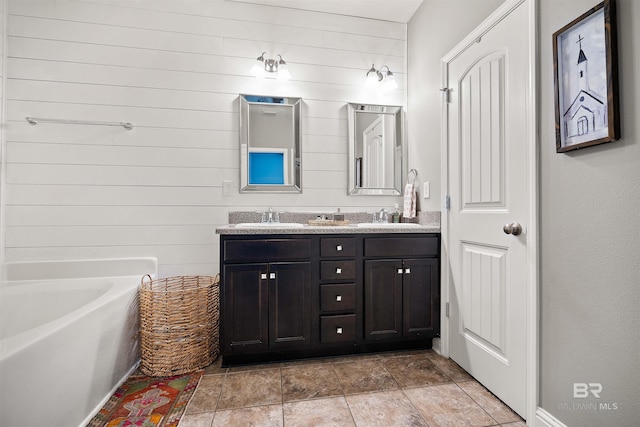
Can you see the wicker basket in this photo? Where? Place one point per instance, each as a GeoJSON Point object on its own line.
{"type": "Point", "coordinates": [179, 324]}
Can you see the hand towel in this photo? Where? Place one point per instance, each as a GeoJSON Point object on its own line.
{"type": "Point", "coordinates": [409, 201]}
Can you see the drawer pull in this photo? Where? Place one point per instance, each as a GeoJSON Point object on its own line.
{"type": "Point", "coordinates": [338, 270]}
{"type": "Point", "coordinates": [399, 271]}
{"type": "Point", "coordinates": [263, 276]}
{"type": "Point", "coordinates": [339, 248]}
{"type": "Point", "coordinates": [338, 297]}
{"type": "Point", "coordinates": [407, 271]}
{"type": "Point", "coordinates": [339, 331]}
{"type": "Point", "coordinates": [272, 275]}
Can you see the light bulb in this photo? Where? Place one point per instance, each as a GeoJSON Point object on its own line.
{"type": "Point", "coordinates": [283, 71]}
{"type": "Point", "coordinates": [389, 82]}
{"type": "Point", "coordinates": [258, 67]}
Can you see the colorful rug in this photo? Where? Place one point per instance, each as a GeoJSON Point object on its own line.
{"type": "Point", "coordinates": [148, 401]}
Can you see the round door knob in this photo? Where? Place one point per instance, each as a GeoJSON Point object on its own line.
{"type": "Point", "coordinates": [514, 228]}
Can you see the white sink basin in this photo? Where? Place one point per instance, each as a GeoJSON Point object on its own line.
{"type": "Point", "coordinates": [269, 225]}
{"type": "Point", "coordinates": [388, 225]}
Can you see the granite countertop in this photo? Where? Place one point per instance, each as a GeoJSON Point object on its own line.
{"type": "Point", "coordinates": [427, 222]}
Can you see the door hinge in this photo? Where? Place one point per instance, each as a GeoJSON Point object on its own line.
{"type": "Point", "coordinates": [446, 309]}
{"type": "Point", "coordinates": [445, 90]}
{"type": "Point", "coordinates": [447, 202]}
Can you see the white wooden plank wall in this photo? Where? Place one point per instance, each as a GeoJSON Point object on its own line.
{"type": "Point", "coordinates": [174, 69]}
{"type": "Point", "coordinates": [2, 132]}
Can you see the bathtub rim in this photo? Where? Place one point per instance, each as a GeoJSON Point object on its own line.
{"type": "Point", "coordinates": [131, 269]}
{"type": "Point", "coordinates": [33, 270]}
{"type": "Point", "coordinates": [120, 285]}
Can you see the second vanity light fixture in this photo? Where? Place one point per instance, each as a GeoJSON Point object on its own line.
{"type": "Point", "coordinates": [264, 66]}
{"type": "Point", "coordinates": [381, 78]}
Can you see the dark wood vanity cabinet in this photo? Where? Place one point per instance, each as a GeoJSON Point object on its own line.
{"type": "Point", "coordinates": [340, 289]}
{"type": "Point", "coordinates": [286, 296]}
{"type": "Point", "coordinates": [401, 298]}
{"type": "Point", "coordinates": [265, 305]}
{"type": "Point", "coordinates": [401, 287]}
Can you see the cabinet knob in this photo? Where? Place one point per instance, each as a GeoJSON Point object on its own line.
{"type": "Point", "coordinates": [272, 275]}
{"type": "Point", "coordinates": [339, 331]}
{"type": "Point", "coordinates": [338, 298]}
{"type": "Point", "coordinates": [338, 270]}
{"type": "Point", "coordinates": [407, 271]}
{"type": "Point", "coordinates": [339, 248]}
{"type": "Point", "coordinates": [263, 276]}
{"type": "Point", "coordinates": [399, 271]}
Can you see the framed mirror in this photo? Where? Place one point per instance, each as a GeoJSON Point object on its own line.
{"type": "Point", "coordinates": [377, 158]}
{"type": "Point", "coordinates": [270, 156]}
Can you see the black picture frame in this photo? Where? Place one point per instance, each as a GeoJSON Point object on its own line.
{"type": "Point", "coordinates": [585, 63]}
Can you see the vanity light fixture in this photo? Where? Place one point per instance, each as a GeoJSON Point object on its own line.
{"type": "Point", "coordinates": [275, 66]}
{"type": "Point", "coordinates": [381, 78]}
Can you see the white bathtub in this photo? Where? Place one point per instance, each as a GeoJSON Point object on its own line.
{"type": "Point", "coordinates": [68, 338]}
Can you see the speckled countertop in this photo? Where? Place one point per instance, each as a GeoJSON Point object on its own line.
{"type": "Point", "coordinates": [427, 222]}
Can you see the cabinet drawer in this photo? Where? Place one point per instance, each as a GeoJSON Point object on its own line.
{"type": "Point", "coordinates": [401, 246]}
{"type": "Point", "coordinates": [335, 270]}
{"type": "Point", "coordinates": [338, 247]}
{"type": "Point", "coordinates": [340, 297]}
{"type": "Point", "coordinates": [267, 250]}
{"type": "Point", "coordinates": [338, 328]}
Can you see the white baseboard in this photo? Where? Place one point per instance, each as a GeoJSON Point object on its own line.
{"type": "Point", "coordinates": [436, 345]}
{"type": "Point", "coordinates": [545, 419]}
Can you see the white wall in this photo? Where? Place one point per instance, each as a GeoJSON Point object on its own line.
{"type": "Point", "coordinates": [435, 29]}
{"type": "Point", "coordinates": [2, 132]}
{"type": "Point", "coordinates": [174, 69]}
{"type": "Point", "coordinates": [590, 243]}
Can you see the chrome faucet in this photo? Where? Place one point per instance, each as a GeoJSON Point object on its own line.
{"type": "Point", "coordinates": [270, 216]}
{"type": "Point", "coordinates": [383, 216]}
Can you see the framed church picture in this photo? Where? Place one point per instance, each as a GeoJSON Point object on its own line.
{"type": "Point", "coordinates": [586, 80]}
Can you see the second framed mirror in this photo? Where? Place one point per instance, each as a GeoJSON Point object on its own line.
{"type": "Point", "coordinates": [377, 158]}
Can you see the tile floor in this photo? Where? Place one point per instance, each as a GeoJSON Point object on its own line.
{"type": "Point", "coordinates": [413, 388]}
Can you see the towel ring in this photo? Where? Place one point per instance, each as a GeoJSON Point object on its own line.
{"type": "Point", "coordinates": [412, 176]}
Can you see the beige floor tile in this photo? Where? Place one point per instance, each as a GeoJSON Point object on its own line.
{"type": "Point", "coordinates": [413, 371]}
{"type": "Point", "coordinates": [447, 405]}
{"type": "Point", "coordinates": [516, 424]}
{"type": "Point", "coordinates": [309, 382]}
{"type": "Point", "coordinates": [197, 420]}
{"type": "Point", "coordinates": [252, 388]}
{"type": "Point", "coordinates": [256, 367]}
{"type": "Point", "coordinates": [364, 376]}
{"type": "Point", "coordinates": [401, 353]}
{"type": "Point", "coordinates": [206, 397]}
{"type": "Point", "coordinates": [450, 368]}
{"type": "Point", "coordinates": [353, 358]}
{"type": "Point", "coordinates": [263, 416]}
{"type": "Point", "coordinates": [330, 412]}
{"type": "Point", "coordinates": [384, 409]}
{"type": "Point", "coordinates": [490, 403]}
{"type": "Point", "coordinates": [215, 368]}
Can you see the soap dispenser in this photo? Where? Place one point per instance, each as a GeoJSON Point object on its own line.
{"type": "Point", "coordinates": [338, 216]}
{"type": "Point", "coordinates": [396, 214]}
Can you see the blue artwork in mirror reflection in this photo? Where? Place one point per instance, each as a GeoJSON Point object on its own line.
{"type": "Point", "coordinates": [266, 168]}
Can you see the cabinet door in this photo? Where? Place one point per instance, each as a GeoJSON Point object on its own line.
{"type": "Point", "coordinates": [245, 307]}
{"type": "Point", "coordinates": [289, 304]}
{"type": "Point", "coordinates": [383, 299]}
{"type": "Point", "coordinates": [419, 295]}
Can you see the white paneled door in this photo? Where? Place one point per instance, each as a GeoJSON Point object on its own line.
{"type": "Point", "coordinates": [488, 166]}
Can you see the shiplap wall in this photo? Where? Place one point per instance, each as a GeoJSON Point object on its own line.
{"type": "Point", "coordinates": [174, 68]}
{"type": "Point", "coordinates": [2, 132]}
